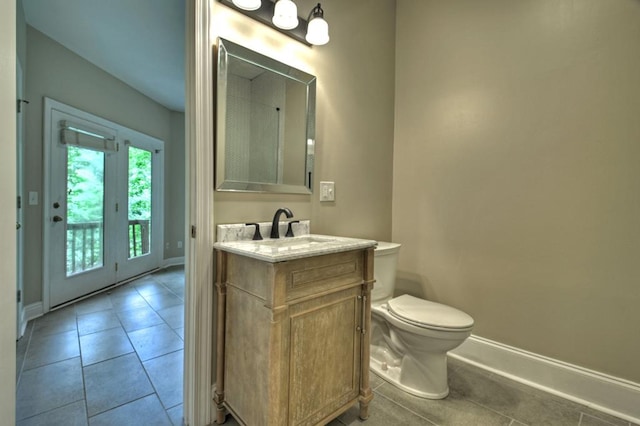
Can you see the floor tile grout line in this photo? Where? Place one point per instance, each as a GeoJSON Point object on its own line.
{"type": "Point", "coordinates": [84, 382]}
{"type": "Point", "coordinates": [407, 409]}
{"type": "Point", "coordinates": [24, 358]}
{"type": "Point", "coordinates": [120, 405]}
{"type": "Point", "coordinates": [160, 356]}
{"type": "Point", "coordinates": [513, 419]}
{"type": "Point", "coordinates": [50, 410]}
{"type": "Point", "coordinates": [583, 414]}
{"type": "Point", "coordinates": [52, 363]}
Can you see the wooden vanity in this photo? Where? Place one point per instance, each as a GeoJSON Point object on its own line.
{"type": "Point", "coordinates": [293, 337]}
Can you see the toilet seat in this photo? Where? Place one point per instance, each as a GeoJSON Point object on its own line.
{"type": "Point", "coordinates": [425, 314]}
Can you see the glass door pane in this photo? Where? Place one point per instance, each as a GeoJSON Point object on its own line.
{"type": "Point", "coordinates": [85, 210]}
{"type": "Point", "coordinates": [139, 202]}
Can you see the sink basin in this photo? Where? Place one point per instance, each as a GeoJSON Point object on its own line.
{"type": "Point", "coordinates": [295, 241]}
{"type": "Point", "coordinates": [282, 249]}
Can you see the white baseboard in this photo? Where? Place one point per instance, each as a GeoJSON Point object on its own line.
{"type": "Point", "coordinates": [22, 322]}
{"type": "Point", "coordinates": [172, 261]}
{"type": "Point", "coordinates": [599, 391]}
{"type": "Point", "coordinates": [33, 311]}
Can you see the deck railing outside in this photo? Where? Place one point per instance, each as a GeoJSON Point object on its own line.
{"type": "Point", "coordinates": [85, 244]}
{"type": "Point", "coordinates": [138, 237]}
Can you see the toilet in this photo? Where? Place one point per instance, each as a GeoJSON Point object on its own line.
{"type": "Point", "coordinates": [410, 337]}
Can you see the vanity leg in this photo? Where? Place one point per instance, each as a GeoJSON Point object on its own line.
{"type": "Point", "coordinates": [365, 387]}
{"type": "Point", "coordinates": [221, 416]}
{"type": "Point", "coordinates": [221, 412]}
{"type": "Point", "coordinates": [221, 280]}
{"type": "Point", "coordinates": [364, 405]}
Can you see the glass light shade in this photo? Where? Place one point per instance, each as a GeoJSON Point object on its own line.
{"type": "Point", "coordinates": [317, 31]}
{"type": "Point", "coordinates": [285, 15]}
{"type": "Point", "coordinates": [248, 4]}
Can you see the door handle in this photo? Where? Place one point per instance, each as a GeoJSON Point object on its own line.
{"type": "Point", "coordinates": [57, 218]}
{"type": "Point", "coordinates": [18, 225]}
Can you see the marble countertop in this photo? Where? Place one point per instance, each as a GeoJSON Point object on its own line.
{"type": "Point", "coordinates": [283, 249]}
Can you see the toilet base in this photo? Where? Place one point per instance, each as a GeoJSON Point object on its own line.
{"type": "Point", "coordinates": [391, 374]}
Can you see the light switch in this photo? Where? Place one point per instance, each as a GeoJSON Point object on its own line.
{"type": "Point", "coordinates": [33, 198]}
{"type": "Point", "coordinates": [327, 191]}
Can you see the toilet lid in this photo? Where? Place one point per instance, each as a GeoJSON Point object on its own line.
{"type": "Point", "coordinates": [428, 314]}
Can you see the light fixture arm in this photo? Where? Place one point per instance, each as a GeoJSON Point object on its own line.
{"type": "Point", "coordinates": [316, 12]}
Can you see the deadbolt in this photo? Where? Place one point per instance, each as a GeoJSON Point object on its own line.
{"type": "Point", "coordinates": [56, 205]}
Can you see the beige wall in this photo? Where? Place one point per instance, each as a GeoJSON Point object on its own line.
{"type": "Point", "coordinates": [7, 215]}
{"type": "Point", "coordinates": [174, 193]}
{"type": "Point", "coordinates": [516, 171]}
{"type": "Point", "coordinates": [56, 72]}
{"type": "Point", "coordinates": [354, 133]}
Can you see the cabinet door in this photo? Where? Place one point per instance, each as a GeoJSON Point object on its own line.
{"type": "Point", "coordinates": [324, 356]}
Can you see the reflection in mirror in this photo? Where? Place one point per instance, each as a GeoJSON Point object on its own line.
{"type": "Point", "coordinates": [265, 123]}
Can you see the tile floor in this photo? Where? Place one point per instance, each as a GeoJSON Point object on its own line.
{"type": "Point", "coordinates": [476, 398]}
{"type": "Point", "coordinates": [113, 359]}
{"type": "Point", "coordinates": [116, 359]}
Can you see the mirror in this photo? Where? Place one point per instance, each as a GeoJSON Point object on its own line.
{"type": "Point", "coordinates": [265, 125]}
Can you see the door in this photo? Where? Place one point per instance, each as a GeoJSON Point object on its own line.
{"type": "Point", "coordinates": [140, 165]}
{"type": "Point", "coordinates": [103, 201]}
{"type": "Point", "coordinates": [322, 381]}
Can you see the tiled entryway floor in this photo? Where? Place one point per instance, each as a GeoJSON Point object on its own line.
{"type": "Point", "coordinates": [113, 359]}
{"type": "Point", "coordinates": [116, 359]}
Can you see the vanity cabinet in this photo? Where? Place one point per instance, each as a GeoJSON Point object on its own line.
{"type": "Point", "coordinates": [293, 337]}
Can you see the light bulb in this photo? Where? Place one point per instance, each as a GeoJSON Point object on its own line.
{"type": "Point", "coordinates": [285, 15]}
{"type": "Point", "coordinates": [318, 28]}
{"type": "Point", "coordinates": [248, 4]}
{"type": "Point", "coordinates": [318, 32]}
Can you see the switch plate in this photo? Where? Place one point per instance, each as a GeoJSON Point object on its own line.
{"type": "Point", "coordinates": [327, 191]}
{"type": "Point", "coordinates": [33, 198]}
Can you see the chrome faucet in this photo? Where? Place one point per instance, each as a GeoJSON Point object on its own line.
{"type": "Point", "coordinates": [275, 232]}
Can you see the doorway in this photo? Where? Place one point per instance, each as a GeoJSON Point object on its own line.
{"type": "Point", "coordinates": [198, 310]}
{"type": "Point", "coordinates": [103, 204]}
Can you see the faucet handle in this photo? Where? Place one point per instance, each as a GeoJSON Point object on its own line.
{"type": "Point", "coordinates": [256, 235]}
{"type": "Point", "coordinates": [290, 229]}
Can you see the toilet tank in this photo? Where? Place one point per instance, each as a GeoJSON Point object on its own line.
{"type": "Point", "coordinates": [384, 271]}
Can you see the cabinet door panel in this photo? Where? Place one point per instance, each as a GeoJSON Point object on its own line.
{"type": "Point", "coordinates": [324, 357]}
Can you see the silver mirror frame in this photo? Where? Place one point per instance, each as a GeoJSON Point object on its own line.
{"type": "Point", "coordinates": [227, 50]}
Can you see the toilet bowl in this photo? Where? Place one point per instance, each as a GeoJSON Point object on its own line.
{"type": "Point", "coordinates": [410, 337]}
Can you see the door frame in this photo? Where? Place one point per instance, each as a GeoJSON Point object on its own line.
{"type": "Point", "coordinates": [20, 314]}
{"type": "Point", "coordinates": [7, 216]}
{"type": "Point", "coordinates": [121, 131]}
{"type": "Point", "coordinates": [199, 357]}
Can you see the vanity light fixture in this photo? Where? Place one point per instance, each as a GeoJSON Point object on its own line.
{"type": "Point", "coordinates": [282, 15]}
{"type": "Point", "coordinates": [248, 4]}
{"type": "Point", "coordinates": [317, 28]}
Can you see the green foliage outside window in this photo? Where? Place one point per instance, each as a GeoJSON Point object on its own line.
{"type": "Point", "coordinates": [85, 206]}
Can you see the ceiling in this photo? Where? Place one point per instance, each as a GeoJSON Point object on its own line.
{"type": "Point", "coordinates": [140, 42]}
